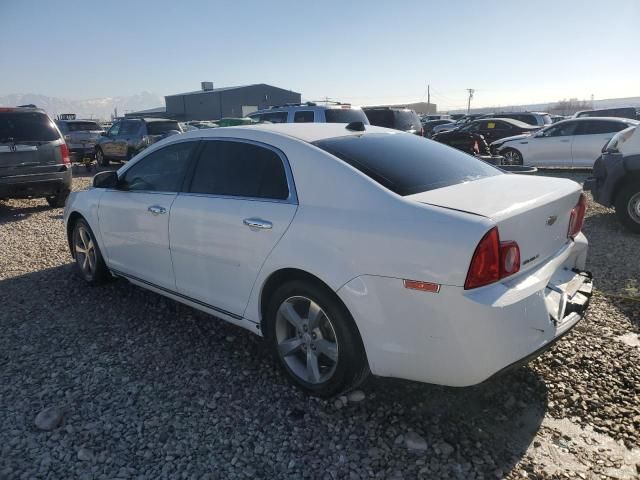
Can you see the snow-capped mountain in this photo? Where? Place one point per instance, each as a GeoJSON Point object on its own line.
{"type": "Point", "coordinates": [100, 108]}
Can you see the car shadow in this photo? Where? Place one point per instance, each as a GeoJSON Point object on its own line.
{"type": "Point", "coordinates": [120, 354]}
{"type": "Point", "coordinates": [9, 212]}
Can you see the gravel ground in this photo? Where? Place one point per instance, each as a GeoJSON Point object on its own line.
{"type": "Point", "coordinates": [132, 385]}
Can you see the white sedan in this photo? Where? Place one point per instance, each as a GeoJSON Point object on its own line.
{"type": "Point", "coordinates": [351, 248]}
{"type": "Point", "coordinates": [569, 143]}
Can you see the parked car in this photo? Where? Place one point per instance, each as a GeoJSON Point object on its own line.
{"type": "Point", "coordinates": [620, 112]}
{"type": "Point", "coordinates": [401, 119]}
{"type": "Point", "coordinates": [128, 137]}
{"type": "Point", "coordinates": [311, 112]}
{"type": "Point", "coordinates": [458, 123]}
{"type": "Point", "coordinates": [235, 121]}
{"type": "Point", "coordinates": [616, 177]}
{"type": "Point", "coordinates": [350, 249]}
{"type": "Point", "coordinates": [570, 143]}
{"type": "Point", "coordinates": [492, 129]}
{"type": "Point", "coordinates": [539, 119]}
{"type": "Point", "coordinates": [34, 158]}
{"type": "Point", "coordinates": [81, 136]}
{"type": "Point", "coordinates": [428, 126]}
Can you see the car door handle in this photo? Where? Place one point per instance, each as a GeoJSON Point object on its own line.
{"type": "Point", "coordinates": [257, 223]}
{"type": "Point", "coordinates": [157, 209]}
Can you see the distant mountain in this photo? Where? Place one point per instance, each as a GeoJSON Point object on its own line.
{"type": "Point", "coordinates": [100, 108]}
{"type": "Point", "coordinates": [541, 107]}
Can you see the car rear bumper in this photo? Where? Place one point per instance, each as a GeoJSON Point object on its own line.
{"type": "Point", "coordinates": [35, 185]}
{"type": "Point", "coordinates": [608, 171]}
{"type": "Point", "coordinates": [460, 337]}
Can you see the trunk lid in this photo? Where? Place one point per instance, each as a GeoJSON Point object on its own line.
{"type": "Point", "coordinates": [533, 211]}
{"type": "Point", "coordinates": [29, 157]}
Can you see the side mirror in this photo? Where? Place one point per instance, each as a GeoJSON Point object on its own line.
{"type": "Point", "coordinates": [106, 180]}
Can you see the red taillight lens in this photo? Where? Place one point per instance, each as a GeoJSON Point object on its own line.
{"type": "Point", "coordinates": [64, 152]}
{"type": "Point", "coordinates": [576, 220]}
{"type": "Point", "coordinates": [492, 260]}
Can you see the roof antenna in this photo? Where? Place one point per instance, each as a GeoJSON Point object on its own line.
{"type": "Point", "coordinates": [355, 126]}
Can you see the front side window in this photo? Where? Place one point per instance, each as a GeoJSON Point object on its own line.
{"type": "Point", "coordinates": [304, 117]}
{"type": "Point", "coordinates": [160, 171]}
{"type": "Point", "coordinates": [561, 130]}
{"type": "Point", "coordinates": [114, 130]}
{"type": "Point", "coordinates": [239, 169]}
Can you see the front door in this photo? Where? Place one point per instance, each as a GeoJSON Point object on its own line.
{"type": "Point", "coordinates": [134, 219]}
{"type": "Point", "coordinates": [238, 205]}
{"type": "Point", "coordinates": [108, 145]}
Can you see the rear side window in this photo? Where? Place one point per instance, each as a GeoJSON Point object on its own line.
{"type": "Point", "coordinates": [160, 171]}
{"type": "Point", "coordinates": [599, 126]}
{"type": "Point", "coordinates": [407, 164]}
{"type": "Point", "coordinates": [82, 126]}
{"type": "Point", "coordinates": [407, 120]}
{"type": "Point", "coordinates": [304, 117]}
{"type": "Point", "coordinates": [129, 128]}
{"type": "Point", "coordinates": [345, 115]}
{"type": "Point", "coordinates": [159, 128]}
{"type": "Point", "coordinates": [239, 169]}
{"type": "Point", "coordinates": [26, 127]}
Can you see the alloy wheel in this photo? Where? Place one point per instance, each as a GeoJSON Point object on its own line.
{"type": "Point", "coordinates": [85, 252]}
{"type": "Point", "coordinates": [512, 157]}
{"type": "Point", "coordinates": [633, 207]}
{"type": "Point", "coordinates": [306, 340]}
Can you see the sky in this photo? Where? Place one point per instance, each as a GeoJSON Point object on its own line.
{"type": "Point", "coordinates": [509, 51]}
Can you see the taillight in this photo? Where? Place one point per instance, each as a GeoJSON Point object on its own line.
{"type": "Point", "coordinates": [64, 152]}
{"type": "Point", "coordinates": [576, 220]}
{"type": "Point", "coordinates": [492, 260]}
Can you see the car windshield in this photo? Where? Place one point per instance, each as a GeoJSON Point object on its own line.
{"type": "Point", "coordinates": [158, 128]}
{"type": "Point", "coordinates": [345, 115]}
{"type": "Point", "coordinates": [83, 126]}
{"type": "Point", "coordinates": [27, 127]}
{"type": "Point", "coordinates": [407, 164]}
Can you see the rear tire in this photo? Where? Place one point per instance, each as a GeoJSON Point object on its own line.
{"type": "Point", "coordinates": [101, 159]}
{"type": "Point", "coordinates": [315, 339]}
{"type": "Point", "coordinates": [511, 156]}
{"type": "Point", "coordinates": [58, 200]}
{"type": "Point", "coordinates": [86, 253]}
{"type": "Point", "coordinates": [628, 206]}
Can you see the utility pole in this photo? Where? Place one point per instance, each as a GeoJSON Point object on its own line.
{"type": "Point", "coordinates": [428, 93]}
{"type": "Point", "coordinates": [592, 101]}
{"type": "Point", "coordinates": [471, 92]}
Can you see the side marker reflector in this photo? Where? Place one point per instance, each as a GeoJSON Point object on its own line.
{"type": "Point", "coordinates": [422, 286]}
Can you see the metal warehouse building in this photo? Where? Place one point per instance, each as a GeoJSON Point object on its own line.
{"type": "Point", "coordinates": [210, 103]}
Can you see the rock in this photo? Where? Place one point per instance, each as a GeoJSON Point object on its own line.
{"type": "Point", "coordinates": [356, 396]}
{"type": "Point", "coordinates": [338, 404]}
{"type": "Point", "coordinates": [445, 449]}
{"type": "Point", "coordinates": [415, 442]}
{"type": "Point", "coordinates": [230, 338]}
{"type": "Point", "coordinates": [85, 455]}
{"type": "Point", "coordinates": [49, 418]}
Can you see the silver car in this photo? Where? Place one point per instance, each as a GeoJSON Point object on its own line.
{"type": "Point", "coordinates": [81, 136]}
{"type": "Point", "coordinates": [570, 143]}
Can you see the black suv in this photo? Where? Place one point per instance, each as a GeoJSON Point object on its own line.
{"type": "Point", "coordinates": [397, 118]}
{"type": "Point", "coordinates": [127, 137]}
{"type": "Point", "coordinates": [34, 158]}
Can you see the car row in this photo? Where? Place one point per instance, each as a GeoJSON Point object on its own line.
{"type": "Point", "coordinates": [352, 248]}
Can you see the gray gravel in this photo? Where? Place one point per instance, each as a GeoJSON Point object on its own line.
{"type": "Point", "coordinates": [138, 386]}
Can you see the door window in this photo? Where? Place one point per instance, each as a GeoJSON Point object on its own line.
{"type": "Point", "coordinates": [160, 171]}
{"type": "Point", "coordinates": [275, 117]}
{"type": "Point", "coordinates": [304, 117]}
{"type": "Point", "coordinates": [114, 130]}
{"type": "Point", "coordinates": [129, 128]}
{"type": "Point", "coordinates": [597, 127]}
{"type": "Point", "coordinates": [561, 130]}
{"type": "Point", "coordinates": [241, 170]}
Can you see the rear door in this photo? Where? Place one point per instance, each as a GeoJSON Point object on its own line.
{"type": "Point", "coordinates": [29, 143]}
{"type": "Point", "coordinates": [134, 219]}
{"type": "Point", "coordinates": [590, 137]}
{"type": "Point", "coordinates": [239, 203]}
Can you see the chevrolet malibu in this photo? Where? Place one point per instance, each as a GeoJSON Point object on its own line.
{"type": "Point", "coordinates": [351, 248]}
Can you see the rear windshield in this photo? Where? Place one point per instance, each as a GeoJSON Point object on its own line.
{"type": "Point", "coordinates": [83, 126]}
{"type": "Point", "coordinates": [407, 164]}
{"type": "Point", "coordinates": [158, 128]}
{"type": "Point", "coordinates": [345, 115]}
{"type": "Point", "coordinates": [27, 127]}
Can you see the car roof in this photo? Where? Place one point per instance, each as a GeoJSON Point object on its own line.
{"type": "Point", "coordinates": [590, 119]}
{"type": "Point", "coordinates": [306, 107]}
{"type": "Point", "coordinates": [22, 110]}
{"type": "Point", "coordinates": [512, 121]}
{"type": "Point", "coordinates": [307, 132]}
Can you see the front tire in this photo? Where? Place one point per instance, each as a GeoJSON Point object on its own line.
{"type": "Point", "coordinates": [101, 159]}
{"type": "Point", "coordinates": [315, 339]}
{"type": "Point", "coordinates": [628, 206]}
{"type": "Point", "coordinates": [511, 156]}
{"type": "Point", "coordinates": [87, 255]}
